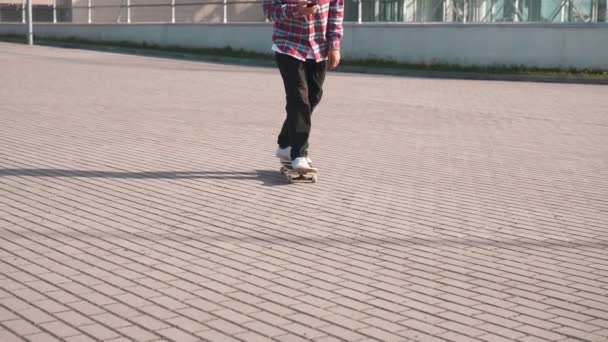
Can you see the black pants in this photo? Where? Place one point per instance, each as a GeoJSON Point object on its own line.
{"type": "Point", "coordinates": [304, 88]}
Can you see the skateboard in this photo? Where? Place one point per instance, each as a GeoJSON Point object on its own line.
{"type": "Point", "coordinates": [292, 175]}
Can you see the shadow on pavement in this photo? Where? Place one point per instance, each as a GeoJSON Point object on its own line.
{"type": "Point", "coordinates": [267, 177]}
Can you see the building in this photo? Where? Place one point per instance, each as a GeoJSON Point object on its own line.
{"type": "Point", "coordinates": [194, 11]}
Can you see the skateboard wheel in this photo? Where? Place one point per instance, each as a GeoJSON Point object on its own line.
{"type": "Point", "coordinates": [289, 179]}
{"type": "Point", "coordinates": [314, 178]}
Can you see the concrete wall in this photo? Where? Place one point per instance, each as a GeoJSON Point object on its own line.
{"type": "Point", "coordinates": [539, 45]}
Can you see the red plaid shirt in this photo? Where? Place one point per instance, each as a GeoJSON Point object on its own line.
{"type": "Point", "coordinates": [296, 34]}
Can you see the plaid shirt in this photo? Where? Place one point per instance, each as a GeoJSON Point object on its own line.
{"type": "Point", "coordinates": [296, 34]}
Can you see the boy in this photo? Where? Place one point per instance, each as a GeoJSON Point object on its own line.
{"type": "Point", "coordinates": [306, 41]}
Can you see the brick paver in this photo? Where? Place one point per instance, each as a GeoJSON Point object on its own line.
{"type": "Point", "coordinates": [140, 200]}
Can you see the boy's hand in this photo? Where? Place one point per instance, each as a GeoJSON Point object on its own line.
{"type": "Point", "coordinates": [304, 10]}
{"type": "Point", "coordinates": [333, 58]}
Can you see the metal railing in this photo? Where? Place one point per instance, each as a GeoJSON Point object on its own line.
{"type": "Point", "coordinates": [459, 11]}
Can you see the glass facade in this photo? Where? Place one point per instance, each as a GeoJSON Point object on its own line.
{"type": "Point", "coordinates": [477, 11]}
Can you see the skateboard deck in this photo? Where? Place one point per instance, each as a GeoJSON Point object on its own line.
{"type": "Point", "coordinates": [292, 174]}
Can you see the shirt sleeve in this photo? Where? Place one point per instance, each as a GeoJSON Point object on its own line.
{"type": "Point", "coordinates": [335, 29]}
{"type": "Point", "coordinates": [276, 10]}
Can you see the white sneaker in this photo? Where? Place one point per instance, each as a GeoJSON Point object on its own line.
{"type": "Point", "coordinates": [284, 154]}
{"type": "Point", "coordinates": [300, 163]}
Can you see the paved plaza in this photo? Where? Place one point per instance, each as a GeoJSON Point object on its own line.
{"type": "Point", "coordinates": [140, 200]}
